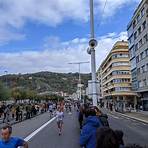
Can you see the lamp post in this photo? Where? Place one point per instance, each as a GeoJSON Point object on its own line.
{"type": "Point", "coordinates": [91, 51]}
{"type": "Point", "coordinates": [79, 84]}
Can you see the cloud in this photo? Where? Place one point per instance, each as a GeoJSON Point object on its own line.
{"type": "Point", "coordinates": [14, 14]}
{"type": "Point", "coordinates": [113, 6]}
{"type": "Point", "coordinates": [6, 36]}
{"type": "Point", "coordinates": [57, 60]}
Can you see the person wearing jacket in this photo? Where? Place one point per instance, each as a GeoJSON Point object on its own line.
{"type": "Point", "coordinates": [88, 133]}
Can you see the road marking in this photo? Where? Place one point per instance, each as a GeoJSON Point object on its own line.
{"type": "Point", "coordinates": [39, 129]}
{"type": "Point", "coordinates": [113, 116]}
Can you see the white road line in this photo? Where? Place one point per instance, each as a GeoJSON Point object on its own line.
{"type": "Point", "coordinates": [39, 129]}
{"type": "Point", "coordinates": [113, 116]}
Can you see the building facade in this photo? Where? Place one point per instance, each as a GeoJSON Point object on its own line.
{"type": "Point", "coordinates": [138, 49]}
{"type": "Point", "coordinates": [115, 78]}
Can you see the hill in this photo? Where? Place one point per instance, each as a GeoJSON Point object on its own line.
{"type": "Point", "coordinates": [46, 81]}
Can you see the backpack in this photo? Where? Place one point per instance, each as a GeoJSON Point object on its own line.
{"type": "Point", "coordinates": [103, 120]}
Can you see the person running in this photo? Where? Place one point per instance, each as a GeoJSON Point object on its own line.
{"type": "Point", "coordinates": [10, 142]}
{"type": "Point", "coordinates": [50, 108]}
{"type": "Point", "coordinates": [60, 116]}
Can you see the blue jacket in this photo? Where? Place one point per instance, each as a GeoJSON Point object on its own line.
{"type": "Point", "coordinates": [88, 133]}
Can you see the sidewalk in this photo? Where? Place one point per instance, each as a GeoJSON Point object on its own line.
{"type": "Point", "coordinates": [139, 116]}
{"type": "Point", "coordinates": [143, 117]}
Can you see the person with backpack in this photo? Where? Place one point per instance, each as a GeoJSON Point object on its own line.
{"type": "Point", "coordinates": [106, 138]}
{"type": "Point", "coordinates": [103, 117]}
{"type": "Point", "coordinates": [88, 132]}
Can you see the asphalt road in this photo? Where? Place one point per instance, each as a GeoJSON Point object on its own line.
{"type": "Point", "coordinates": [134, 131]}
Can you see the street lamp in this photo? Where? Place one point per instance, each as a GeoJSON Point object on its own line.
{"type": "Point", "coordinates": [91, 51]}
{"type": "Point", "coordinates": [6, 72]}
{"type": "Point", "coordinates": [79, 84]}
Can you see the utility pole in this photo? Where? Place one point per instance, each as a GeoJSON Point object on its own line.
{"type": "Point", "coordinates": [79, 84]}
{"type": "Point", "coordinates": [91, 51]}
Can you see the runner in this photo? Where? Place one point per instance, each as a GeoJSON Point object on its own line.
{"type": "Point", "coordinates": [51, 109]}
{"type": "Point", "coordinates": [60, 116]}
{"type": "Point", "coordinates": [10, 142]}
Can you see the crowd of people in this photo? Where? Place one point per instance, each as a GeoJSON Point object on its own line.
{"type": "Point", "coordinates": [20, 112]}
{"type": "Point", "coordinates": [96, 132]}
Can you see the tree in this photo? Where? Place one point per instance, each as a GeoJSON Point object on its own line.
{"type": "Point", "coordinates": [4, 93]}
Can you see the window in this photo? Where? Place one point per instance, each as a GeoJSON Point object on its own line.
{"type": "Point", "coordinates": [140, 84]}
{"type": "Point", "coordinates": [136, 46]}
{"type": "Point", "coordinates": [144, 25]}
{"type": "Point", "coordinates": [139, 30]}
{"type": "Point", "coordinates": [142, 12]}
{"type": "Point", "coordinates": [137, 59]}
{"type": "Point", "coordinates": [145, 38]}
{"type": "Point", "coordinates": [147, 66]}
{"type": "Point", "coordinates": [140, 43]}
{"type": "Point", "coordinates": [144, 82]}
{"type": "Point", "coordinates": [146, 52]}
{"type": "Point", "coordinates": [143, 69]}
{"type": "Point", "coordinates": [142, 55]}
{"type": "Point", "coordinates": [138, 70]}
{"type": "Point", "coordinates": [138, 18]}
{"type": "Point", "coordinates": [134, 23]}
{"type": "Point", "coordinates": [135, 35]}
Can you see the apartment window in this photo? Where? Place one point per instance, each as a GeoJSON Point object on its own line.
{"type": "Point", "coordinates": [136, 46]}
{"type": "Point", "coordinates": [138, 18]}
{"type": "Point", "coordinates": [134, 23]}
{"type": "Point", "coordinates": [144, 82]}
{"type": "Point", "coordinates": [144, 25]}
{"type": "Point", "coordinates": [143, 69]}
{"type": "Point", "coordinates": [146, 52]}
{"type": "Point", "coordinates": [138, 70]}
{"type": "Point", "coordinates": [147, 66]}
{"type": "Point", "coordinates": [135, 35]}
{"type": "Point", "coordinates": [139, 30]}
{"type": "Point", "coordinates": [142, 55]}
{"type": "Point", "coordinates": [145, 38]}
{"type": "Point", "coordinates": [142, 12]}
{"type": "Point", "coordinates": [137, 59]}
{"type": "Point", "coordinates": [140, 43]}
{"type": "Point", "coordinates": [140, 84]}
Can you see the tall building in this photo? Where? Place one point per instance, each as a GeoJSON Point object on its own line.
{"type": "Point", "coordinates": [138, 49]}
{"type": "Point", "coordinates": [115, 77]}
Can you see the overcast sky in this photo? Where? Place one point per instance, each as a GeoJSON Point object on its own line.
{"type": "Point", "coordinates": [45, 35]}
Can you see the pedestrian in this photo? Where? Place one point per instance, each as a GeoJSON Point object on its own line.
{"type": "Point", "coordinates": [80, 117]}
{"type": "Point", "coordinates": [60, 116]}
{"type": "Point", "coordinates": [10, 142]}
{"type": "Point", "coordinates": [119, 135]}
{"type": "Point", "coordinates": [106, 138]}
{"type": "Point", "coordinates": [103, 117]}
{"type": "Point", "coordinates": [6, 114]}
{"type": "Point", "coordinates": [88, 132]}
{"type": "Point", "coordinates": [50, 108]}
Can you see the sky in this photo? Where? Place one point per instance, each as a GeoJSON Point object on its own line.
{"type": "Point", "coordinates": [46, 35]}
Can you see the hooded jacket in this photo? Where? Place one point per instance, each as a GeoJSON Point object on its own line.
{"type": "Point", "coordinates": [88, 133]}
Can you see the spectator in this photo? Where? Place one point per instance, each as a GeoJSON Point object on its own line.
{"type": "Point", "coordinates": [103, 117]}
{"type": "Point", "coordinates": [119, 135]}
{"type": "Point", "coordinates": [106, 138]}
{"type": "Point", "coordinates": [10, 142]}
{"type": "Point", "coordinates": [80, 116]}
{"type": "Point", "coordinates": [88, 133]}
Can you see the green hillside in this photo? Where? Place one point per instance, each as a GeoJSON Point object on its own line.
{"type": "Point", "coordinates": [45, 81]}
